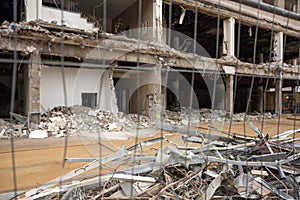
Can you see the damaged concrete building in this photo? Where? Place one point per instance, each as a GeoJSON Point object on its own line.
{"type": "Point", "coordinates": [137, 56]}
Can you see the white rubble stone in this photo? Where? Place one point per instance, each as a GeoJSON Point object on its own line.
{"type": "Point", "coordinates": [112, 126]}
{"type": "Point", "coordinates": [92, 113]}
{"type": "Point", "coordinates": [55, 119]}
{"type": "Point", "coordinates": [38, 134]}
{"type": "Point", "coordinates": [61, 134]}
{"type": "Point", "coordinates": [2, 132]}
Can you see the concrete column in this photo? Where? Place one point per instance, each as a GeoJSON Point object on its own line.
{"type": "Point", "coordinates": [228, 41]}
{"type": "Point", "coordinates": [280, 3]}
{"type": "Point", "coordinates": [278, 96]}
{"type": "Point", "coordinates": [260, 93]}
{"type": "Point", "coordinates": [278, 46]}
{"type": "Point", "coordinates": [229, 94]}
{"type": "Point", "coordinates": [158, 81]}
{"type": "Point", "coordinates": [298, 6]}
{"type": "Point", "coordinates": [33, 9]}
{"type": "Point", "coordinates": [157, 21]}
{"type": "Point", "coordinates": [220, 96]}
{"type": "Point", "coordinates": [34, 84]}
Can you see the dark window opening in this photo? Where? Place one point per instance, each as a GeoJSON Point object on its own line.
{"type": "Point", "coordinates": [207, 31]}
{"type": "Point", "coordinates": [89, 99]}
{"type": "Point", "coordinates": [21, 93]}
{"type": "Point", "coordinates": [247, 44]}
{"type": "Point", "coordinates": [271, 2]}
{"type": "Point", "coordinates": [7, 11]}
{"type": "Point", "coordinates": [291, 49]}
{"type": "Point", "coordinates": [291, 5]}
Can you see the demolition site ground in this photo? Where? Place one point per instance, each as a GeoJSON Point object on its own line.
{"type": "Point", "coordinates": [40, 160]}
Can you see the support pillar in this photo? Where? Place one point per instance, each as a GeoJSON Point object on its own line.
{"type": "Point", "coordinates": [278, 40]}
{"type": "Point", "coordinates": [280, 3]}
{"type": "Point", "coordinates": [33, 9]}
{"type": "Point", "coordinates": [229, 81]}
{"type": "Point", "coordinates": [260, 94]}
{"type": "Point", "coordinates": [298, 6]}
{"type": "Point", "coordinates": [219, 101]}
{"type": "Point", "coordinates": [229, 94]}
{"type": "Point", "coordinates": [294, 100]}
{"type": "Point", "coordinates": [34, 84]}
{"type": "Point", "coordinates": [278, 96]}
{"type": "Point", "coordinates": [228, 41]}
{"type": "Point", "coordinates": [158, 21]}
{"type": "Point", "coordinates": [278, 46]}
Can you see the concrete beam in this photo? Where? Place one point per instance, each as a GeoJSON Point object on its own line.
{"type": "Point", "coordinates": [26, 44]}
{"type": "Point", "coordinates": [247, 16]}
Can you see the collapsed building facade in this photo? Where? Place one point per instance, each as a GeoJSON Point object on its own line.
{"type": "Point", "coordinates": [139, 56]}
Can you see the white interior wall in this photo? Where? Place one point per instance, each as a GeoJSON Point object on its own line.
{"type": "Point", "coordinates": [70, 19]}
{"type": "Point", "coordinates": [77, 81]}
{"type": "Point", "coordinates": [33, 9]}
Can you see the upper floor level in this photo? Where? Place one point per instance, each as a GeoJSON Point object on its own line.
{"type": "Point", "coordinates": [224, 27]}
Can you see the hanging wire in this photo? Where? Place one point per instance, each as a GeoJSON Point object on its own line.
{"type": "Point", "coordinates": [280, 108]}
{"type": "Point", "coordinates": [269, 71]}
{"type": "Point", "coordinates": [62, 66]}
{"type": "Point", "coordinates": [99, 131]}
{"type": "Point", "coordinates": [12, 100]}
{"type": "Point", "coordinates": [192, 85]}
{"type": "Point", "coordinates": [138, 82]}
{"type": "Point", "coordinates": [217, 55]}
{"type": "Point", "coordinates": [252, 81]}
{"type": "Point", "coordinates": [279, 103]}
{"type": "Point", "coordinates": [237, 65]}
{"type": "Point", "coordinates": [167, 70]}
{"type": "Point", "coordinates": [253, 75]}
{"type": "Point", "coordinates": [216, 72]}
{"type": "Point", "coordinates": [235, 76]}
{"type": "Point", "coordinates": [296, 99]}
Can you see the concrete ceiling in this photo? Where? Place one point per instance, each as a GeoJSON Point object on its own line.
{"type": "Point", "coordinates": [114, 7]}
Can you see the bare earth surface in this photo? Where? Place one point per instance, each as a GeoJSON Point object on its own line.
{"type": "Point", "coordinates": [40, 160]}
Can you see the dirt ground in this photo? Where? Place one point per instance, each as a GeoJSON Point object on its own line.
{"type": "Point", "coordinates": [40, 160]}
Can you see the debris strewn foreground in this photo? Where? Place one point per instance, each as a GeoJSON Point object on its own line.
{"type": "Point", "coordinates": [206, 167]}
{"type": "Point", "coordinates": [61, 121]}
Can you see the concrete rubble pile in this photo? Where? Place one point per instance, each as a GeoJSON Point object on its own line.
{"type": "Point", "coordinates": [61, 121]}
{"type": "Point", "coordinates": [206, 167]}
{"type": "Point", "coordinates": [15, 129]}
{"type": "Point", "coordinates": [4, 129]}
{"type": "Point", "coordinates": [194, 117]}
{"type": "Point", "coordinates": [139, 121]}
{"type": "Point", "coordinates": [71, 120]}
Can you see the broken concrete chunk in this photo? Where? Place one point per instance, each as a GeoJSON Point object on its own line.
{"type": "Point", "coordinates": [38, 134]}
{"type": "Point", "coordinates": [92, 113]}
{"type": "Point", "coordinates": [2, 132]}
{"type": "Point", "coordinates": [259, 172]}
{"type": "Point", "coordinates": [112, 126]}
{"type": "Point", "coordinates": [55, 119]}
